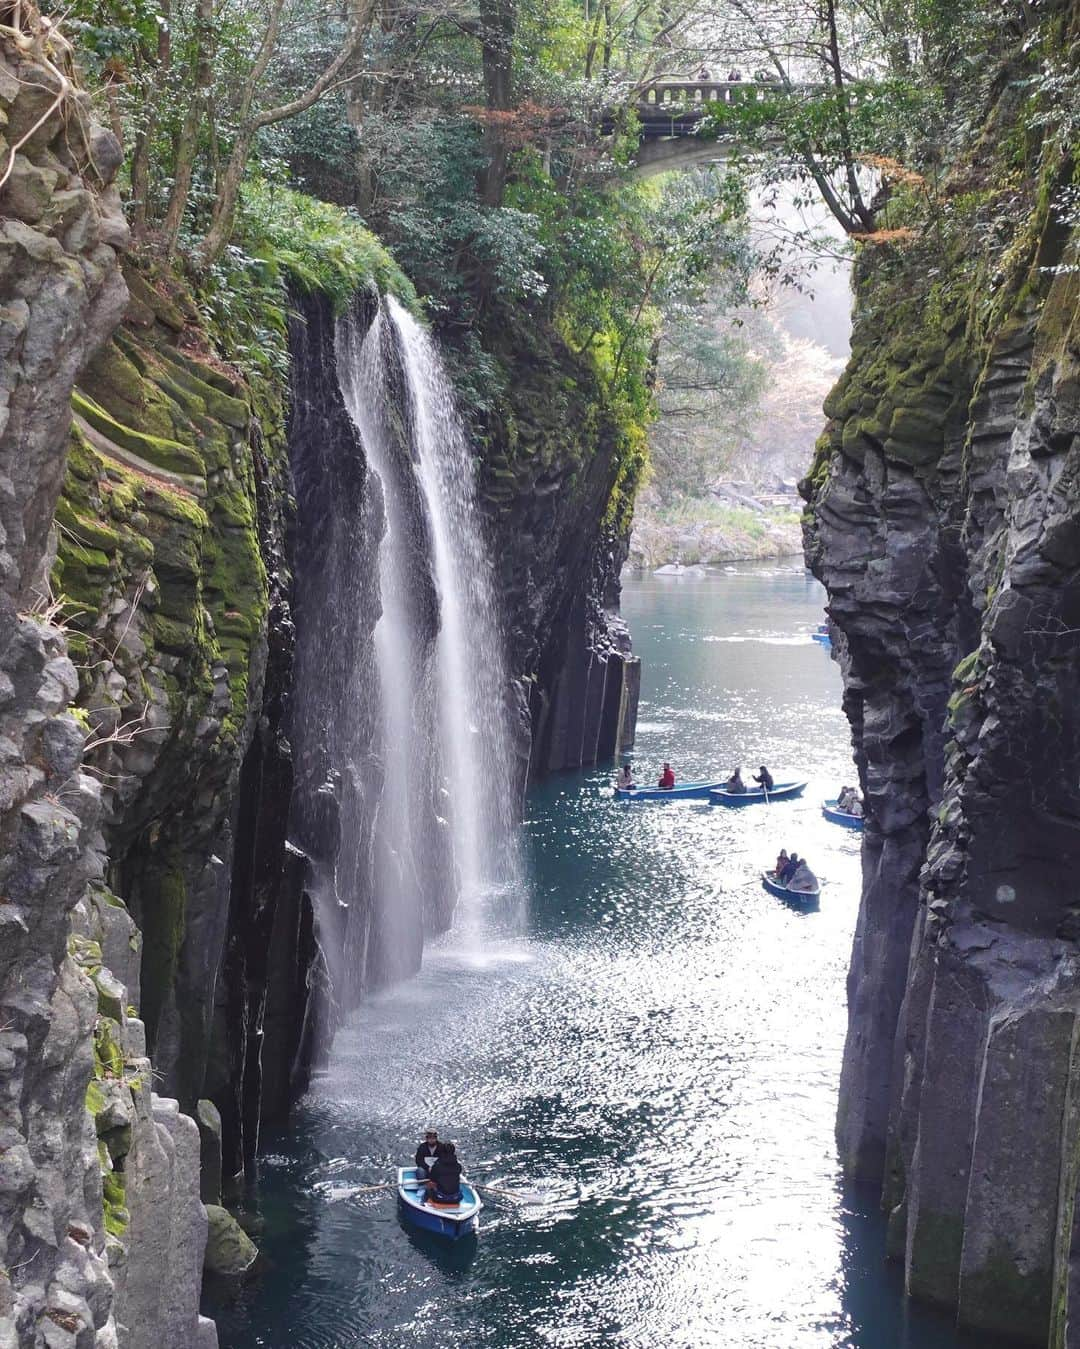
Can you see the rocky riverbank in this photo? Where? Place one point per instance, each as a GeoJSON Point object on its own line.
{"type": "Point", "coordinates": [709, 532]}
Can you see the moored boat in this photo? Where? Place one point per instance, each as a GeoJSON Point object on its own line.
{"type": "Point", "coordinates": [775, 887]}
{"type": "Point", "coordinates": [448, 1220]}
{"type": "Point", "coordinates": [780, 791]}
{"type": "Point", "coordinates": [681, 791]}
{"type": "Point", "coordinates": [832, 812]}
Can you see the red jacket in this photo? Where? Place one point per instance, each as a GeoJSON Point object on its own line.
{"type": "Point", "coordinates": [667, 778]}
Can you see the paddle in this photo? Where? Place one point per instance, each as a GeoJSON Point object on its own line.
{"type": "Point", "coordinates": [526, 1196]}
{"type": "Point", "coordinates": [370, 1189]}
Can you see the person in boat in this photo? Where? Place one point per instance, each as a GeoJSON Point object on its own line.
{"type": "Point", "coordinates": [625, 780]}
{"type": "Point", "coordinates": [667, 778]}
{"type": "Point", "coordinates": [428, 1153]}
{"type": "Point", "coordinates": [444, 1182]}
{"type": "Point", "coordinates": [843, 801]}
{"type": "Point", "coordinates": [735, 782]}
{"type": "Point", "coordinates": [764, 779]}
{"type": "Point", "coordinates": [802, 878]}
{"type": "Point", "coordinates": [781, 863]}
{"type": "Point", "coordinates": [855, 806]}
{"type": "Point", "coordinates": [789, 869]}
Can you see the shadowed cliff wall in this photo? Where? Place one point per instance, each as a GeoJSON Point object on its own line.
{"type": "Point", "coordinates": [944, 520]}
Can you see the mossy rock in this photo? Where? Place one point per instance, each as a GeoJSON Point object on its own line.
{"type": "Point", "coordinates": [156, 451]}
{"type": "Point", "coordinates": [85, 531]}
{"type": "Point", "coordinates": [195, 381]}
{"type": "Point", "coordinates": [117, 1217]}
{"type": "Point", "coordinates": [116, 384]}
{"type": "Point", "coordinates": [230, 1252]}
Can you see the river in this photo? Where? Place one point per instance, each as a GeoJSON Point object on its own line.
{"type": "Point", "coordinates": [653, 1051]}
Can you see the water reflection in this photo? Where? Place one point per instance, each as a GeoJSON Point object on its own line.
{"type": "Point", "coordinates": [655, 1059]}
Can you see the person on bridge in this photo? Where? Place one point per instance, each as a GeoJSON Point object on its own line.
{"type": "Point", "coordinates": [444, 1184]}
{"type": "Point", "coordinates": [667, 778]}
{"type": "Point", "coordinates": [764, 779]}
{"type": "Point", "coordinates": [734, 77]}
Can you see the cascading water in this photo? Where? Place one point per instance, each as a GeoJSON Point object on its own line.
{"type": "Point", "coordinates": [473, 735]}
{"type": "Point", "coordinates": [445, 815]}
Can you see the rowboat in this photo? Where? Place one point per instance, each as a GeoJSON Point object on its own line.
{"type": "Point", "coordinates": [822, 637]}
{"type": "Point", "coordinates": [679, 792]}
{"type": "Point", "coordinates": [753, 795]}
{"type": "Point", "coordinates": [832, 812]}
{"type": "Point", "coordinates": [775, 887]}
{"type": "Point", "coordinates": [453, 1221]}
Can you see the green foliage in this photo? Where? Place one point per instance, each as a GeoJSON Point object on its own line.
{"type": "Point", "coordinates": [109, 30]}
{"type": "Point", "coordinates": [286, 238]}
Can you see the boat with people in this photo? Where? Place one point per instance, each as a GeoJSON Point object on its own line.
{"type": "Point", "coordinates": [782, 891]}
{"type": "Point", "coordinates": [780, 791]}
{"type": "Point", "coordinates": [446, 1220]}
{"type": "Point", "coordinates": [681, 791]}
{"type": "Point", "coordinates": [831, 810]}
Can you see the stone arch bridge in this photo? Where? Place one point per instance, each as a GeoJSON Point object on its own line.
{"type": "Point", "coordinates": [671, 111]}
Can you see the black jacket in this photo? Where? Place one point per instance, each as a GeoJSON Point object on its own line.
{"type": "Point", "coordinates": [446, 1173]}
{"type": "Point", "coordinates": [764, 779]}
{"type": "Point", "coordinates": [424, 1158]}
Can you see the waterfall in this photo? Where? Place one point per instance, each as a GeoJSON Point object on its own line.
{"type": "Point", "coordinates": [445, 815]}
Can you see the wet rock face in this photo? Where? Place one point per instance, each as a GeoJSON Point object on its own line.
{"type": "Point", "coordinates": [558, 509]}
{"type": "Point", "coordinates": [953, 574]}
{"type": "Point", "coordinates": [79, 1126]}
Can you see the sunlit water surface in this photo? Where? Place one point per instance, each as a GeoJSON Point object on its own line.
{"type": "Point", "coordinates": [655, 1057]}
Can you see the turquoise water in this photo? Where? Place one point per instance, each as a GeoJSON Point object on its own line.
{"type": "Point", "coordinates": [651, 1053]}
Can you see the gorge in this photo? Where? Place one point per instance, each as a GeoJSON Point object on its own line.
{"type": "Point", "coordinates": [310, 566]}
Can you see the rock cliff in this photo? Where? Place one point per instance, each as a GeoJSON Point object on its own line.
{"type": "Point", "coordinates": [101, 1227]}
{"type": "Point", "coordinates": [944, 519]}
{"type": "Point", "coordinates": [558, 477]}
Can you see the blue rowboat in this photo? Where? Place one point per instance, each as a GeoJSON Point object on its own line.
{"type": "Point", "coordinates": [459, 1220]}
{"type": "Point", "coordinates": [720, 796]}
{"type": "Point", "coordinates": [832, 812]}
{"type": "Point", "coordinates": [679, 792]}
{"type": "Point", "coordinates": [822, 637]}
{"type": "Point", "coordinates": [775, 887]}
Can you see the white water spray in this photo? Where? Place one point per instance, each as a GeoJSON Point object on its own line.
{"type": "Point", "coordinates": [442, 678]}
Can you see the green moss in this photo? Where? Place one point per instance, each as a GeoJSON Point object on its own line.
{"type": "Point", "coordinates": [157, 451]}
{"type": "Point", "coordinates": [128, 398]}
{"type": "Point", "coordinates": [117, 1217]}
{"type": "Point", "coordinates": [108, 1051]}
{"type": "Point", "coordinates": [86, 531]}
{"type": "Point", "coordinates": [1001, 1299]}
{"type": "Point", "coordinates": [968, 669]}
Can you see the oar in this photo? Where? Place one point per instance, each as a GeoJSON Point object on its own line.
{"type": "Point", "coordinates": [526, 1197]}
{"type": "Point", "coordinates": [370, 1189]}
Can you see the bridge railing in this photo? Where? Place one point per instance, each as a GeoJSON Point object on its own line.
{"type": "Point", "coordinates": [682, 92]}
